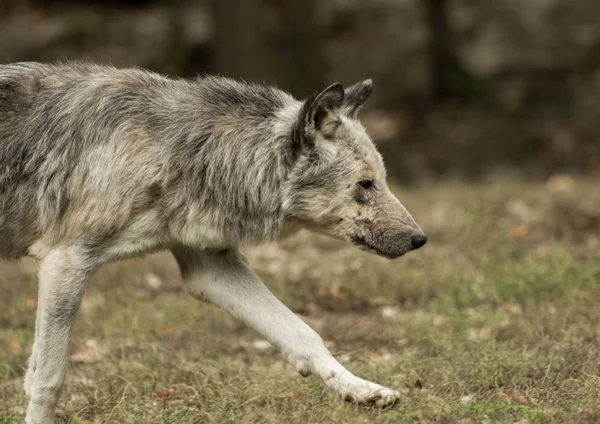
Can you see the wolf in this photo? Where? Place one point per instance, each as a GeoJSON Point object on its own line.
{"type": "Point", "coordinates": [99, 163]}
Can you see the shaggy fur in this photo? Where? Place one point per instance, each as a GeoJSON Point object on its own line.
{"type": "Point", "coordinates": [98, 163]}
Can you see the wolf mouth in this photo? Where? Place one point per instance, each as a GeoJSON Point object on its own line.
{"type": "Point", "coordinates": [362, 243]}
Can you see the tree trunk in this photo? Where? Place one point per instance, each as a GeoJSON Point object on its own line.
{"type": "Point", "coordinates": [448, 77]}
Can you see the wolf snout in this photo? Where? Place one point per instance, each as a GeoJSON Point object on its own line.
{"type": "Point", "coordinates": [398, 242]}
{"type": "Point", "coordinates": [390, 243]}
{"type": "Point", "coordinates": [418, 240]}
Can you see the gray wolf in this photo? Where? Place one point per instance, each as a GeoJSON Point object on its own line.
{"type": "Point", "coordinates": [98, 164]}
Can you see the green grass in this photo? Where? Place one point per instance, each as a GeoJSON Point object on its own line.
{"type": "Point", "coordinates": [7, 418]}
{"type": "Point", "coordinates": [497, 319]}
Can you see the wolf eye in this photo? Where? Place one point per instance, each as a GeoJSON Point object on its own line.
{"type": "Point", "coordinates": [367, 184]}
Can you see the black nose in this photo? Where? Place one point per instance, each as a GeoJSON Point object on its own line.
{"type": "Point", "coordinates": [418, 241]}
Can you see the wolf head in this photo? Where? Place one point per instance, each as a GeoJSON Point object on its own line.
{"type": "Point", "coordinates": [338, 182]}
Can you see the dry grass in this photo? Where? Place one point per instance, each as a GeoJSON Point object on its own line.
{"type": "Point", "coordinates": [496, 320]}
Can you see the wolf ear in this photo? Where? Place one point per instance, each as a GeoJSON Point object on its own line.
{"type": "Point", "coordinates": [325, 105]}
{"type": "Point", "coordinates": [318, 115]}
{"type": "Point", "coordinates": [355, 97]}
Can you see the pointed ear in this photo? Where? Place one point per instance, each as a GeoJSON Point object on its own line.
{"type": "Point", "coordinates": [355, 97]}
{"type": "Point", "coordinates": [325, 105]}
{"type": "Point", "coordinates": [318, 115]}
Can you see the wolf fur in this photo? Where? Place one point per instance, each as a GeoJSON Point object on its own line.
{"type": "Point", "coordinates": [98, 164]}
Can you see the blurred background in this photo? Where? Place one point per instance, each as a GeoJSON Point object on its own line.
{"type": "Point", "coordinates": [488, 117]}
{"type": "Point", "coordinates": [462, 87]}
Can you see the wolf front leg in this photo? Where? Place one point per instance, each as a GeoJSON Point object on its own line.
{"type": "Point", "coordinates": [62, 279]}
{"type": "Point", "coordinates": [225, 279]}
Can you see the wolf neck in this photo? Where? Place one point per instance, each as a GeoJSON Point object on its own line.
{"type": "Point", "coordinates": [240, 160]}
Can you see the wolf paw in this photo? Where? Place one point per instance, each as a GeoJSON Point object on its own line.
{"type": "Point", "coordinates": [365, 393]}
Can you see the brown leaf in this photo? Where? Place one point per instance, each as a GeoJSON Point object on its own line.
{"type": "Point", "coordinates": [167, 394]}
{"type": "Point", "coordinates": [518, 232]}
{"type": "Point", "coordinates": [15, 346]}
{"type": "Point", "coordinates": [30, 302]}
{"type": "Point", "coordinates": [164, 330]}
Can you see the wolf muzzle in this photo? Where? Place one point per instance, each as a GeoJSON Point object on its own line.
{"type": "Point", "coordinates": [390, 243]}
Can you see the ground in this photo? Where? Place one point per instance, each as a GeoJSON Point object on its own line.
{"type": "Point", "coordinates": [496, 319]}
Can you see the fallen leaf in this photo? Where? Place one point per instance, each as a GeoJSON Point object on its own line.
{"type": "Point", "coordinates": [518, 232]}
{"type": "Point", "coordinates": [164, 330]}
{"type": "Point", "coordinates": [30, 302]}
{"type": "Point", "coordinates": [167, 394]}
{"type": "Point", "coordinates": [15, 346]}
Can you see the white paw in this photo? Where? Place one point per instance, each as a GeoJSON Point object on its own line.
{"type": "Point", "coordinates": [380, 397]}
{"type": "Point", "coordinates": [356, 390]}
{"type": "Point", "coordinates": [351, 388]}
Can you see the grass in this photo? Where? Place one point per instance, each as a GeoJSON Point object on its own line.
{"type": "Point", "coordinates": [7, 418]}
{"type": "Point", "coordinates": [495, 320]}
